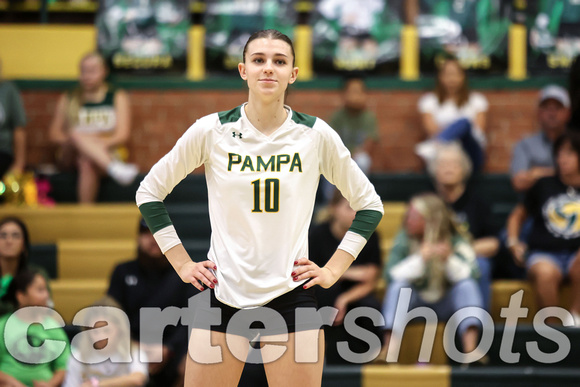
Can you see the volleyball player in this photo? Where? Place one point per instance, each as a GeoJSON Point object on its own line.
{"type": "Point", "coordinates": [262, 163]}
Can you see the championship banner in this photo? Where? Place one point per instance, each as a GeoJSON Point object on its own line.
{"type": "Point", "coordinates": [554, 35]}
{"type": "Point", "coordinates": [144, 36]}
{"type": "Point", "coordinates": [362, 35]}
{"type": "Point", "coordinates": [229, 24]}
{"type": "Point", "coordinates": [474, 31]}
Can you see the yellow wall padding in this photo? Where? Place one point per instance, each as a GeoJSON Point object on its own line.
{"type": "Point", "coordinates": [303, 45]}
{"type": "Point", "coordinates": [196, 53]}
{"type": "Point", "coordinates": [409, 65]}
{"type": "Point", "coordinates": [517, 47]}
{"type": "Point", "coordinates": [44, 51]}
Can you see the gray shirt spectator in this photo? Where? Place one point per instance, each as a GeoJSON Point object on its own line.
{"type": "Point", "coordinates": [532, 151]}
{"type": "Point", "coordinates": [532, 156]}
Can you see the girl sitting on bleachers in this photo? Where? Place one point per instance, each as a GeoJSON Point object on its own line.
{"type": "Point", "coordinates": [91, 125]}
{"type": "Point", "coordinates": [14, 249]}
{"type": "Point", "coordinates": [22, 363]}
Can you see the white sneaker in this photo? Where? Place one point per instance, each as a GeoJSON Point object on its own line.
{"type": "Point", "coordinates": [123, 173]}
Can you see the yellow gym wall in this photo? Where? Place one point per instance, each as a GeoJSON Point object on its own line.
{"type": "Point", "coordinates": [44, 51]}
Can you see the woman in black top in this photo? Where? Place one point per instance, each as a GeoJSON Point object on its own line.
{"type": "Point", "coordinates": [554, 244]}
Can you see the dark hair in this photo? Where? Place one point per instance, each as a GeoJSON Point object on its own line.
{"type": "Point", "coordinates": [355, 76]}
{"type": "Point", "coordinates": [440, 91]}
{"type": "Point", "coordinates": [20, 283]}
{"type": "Point", "coordinates": [23, 259]}
{"type": "Point", "coordinates": [269, 34]}
{"type": "Point", "coordinates": [570, 136]}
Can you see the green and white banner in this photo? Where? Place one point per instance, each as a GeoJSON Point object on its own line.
{"type": "Point", "coordinates": [229, 24]}
{"type": "Point", "coordinates": [554, 35]}
{"type": "Point", "coordinates": [474, 31]}
{"type": "Point", "coordinates": [362, 35]}
{"type": "Point", "coordinates": [144, 35]}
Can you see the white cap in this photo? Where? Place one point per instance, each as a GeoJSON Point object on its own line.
{"type": "Point", "coordinates": [555, 92]}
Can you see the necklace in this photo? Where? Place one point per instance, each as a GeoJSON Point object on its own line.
{"type": "Point", "coordinates": [571, 191]}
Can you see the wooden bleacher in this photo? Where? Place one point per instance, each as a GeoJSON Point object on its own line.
{"type": "Point", "coordinates": [72, 221]}
{"type": "Point", "coordinates": [390, 224]}
{"type": "Point", "coordinates": [72, 295]}
{"type": "Point", "coordinates": [89, 240]}
{"type": "Point", "coordinates": [92, 259]}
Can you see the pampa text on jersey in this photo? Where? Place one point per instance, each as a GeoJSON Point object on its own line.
{"type": "Point", "coordinates": [274, 163]}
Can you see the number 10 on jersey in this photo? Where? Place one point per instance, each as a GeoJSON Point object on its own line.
{"type": "Point", "coordinates": [271, 195]}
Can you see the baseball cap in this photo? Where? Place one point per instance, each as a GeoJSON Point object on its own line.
{"type": "Point", "coordinates": [555, 92]}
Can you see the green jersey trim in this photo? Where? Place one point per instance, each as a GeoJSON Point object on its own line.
{"type": "Point", "coordinates": [155, 215]}
{"type": "Point", "coordinates": [365, 222]}
{"type": "Point", "coordinates": [229, 116]}
{"type": "Point", "coordinates": [109, 99]}
{"type": "Point", "coordinates": [304, 119]}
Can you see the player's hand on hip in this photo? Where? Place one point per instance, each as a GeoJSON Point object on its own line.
{"type": "Point", "coordinates": [305, 268]}
{"type": "Point", "coordinates": [194, 272]}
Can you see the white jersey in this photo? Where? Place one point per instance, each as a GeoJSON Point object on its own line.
{"type": "Point", "coordinates": [261, 192]}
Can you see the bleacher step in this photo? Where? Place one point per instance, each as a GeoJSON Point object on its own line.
{"type": "Point", "coordinates": [93, 258]}
{"type": "Point", "coordinates": [72, 295]}
{"type": "Point", "coordinates": [72, 221]}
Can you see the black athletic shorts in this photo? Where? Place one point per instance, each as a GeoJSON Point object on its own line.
{"type": "Point", "coordinates": [276, 317]}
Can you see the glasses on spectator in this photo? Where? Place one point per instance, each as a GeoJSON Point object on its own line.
{"type": "Point", "coordinates": [14, 235]}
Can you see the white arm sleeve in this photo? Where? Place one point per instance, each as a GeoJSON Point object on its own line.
{"type": "Point", "coordinates": [341, 170]}
{"type": "Point", "coordinates": [190, 152]}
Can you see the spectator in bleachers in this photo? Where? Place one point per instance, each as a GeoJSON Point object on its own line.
{"type": "Point", "coordinates": [356, 125]}
{"type": "Point", "coordinates": [432, 256]}
{"type": "Point", "coordinates": [150, 281]}
{"type": "Point", "coordinates": [451, 170]}
{"type": "Point", "coordinates": [355, 287]}
{"type": "Point", "coordinates": [532, 157]}
{"type": "Point", "coordinates": [453, 113]}
{"type": "Point", "coordinates": [552, 250]}
{"type": "Point", "coordinates": [26, 367]}
{"type": "Point", "coordinates": [91, 125]}
{"type": "Point", "coordinates": [86, 371]}
{"type": "Point", "coordinates": [12, 134]}
{"type": "Point", "coordinates": [14, 250]}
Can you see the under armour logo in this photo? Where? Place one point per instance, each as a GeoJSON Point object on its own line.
{"type": "Point", "coordinates": [234, 134]}
{"type": "Point", "coordinates": [131, 280]}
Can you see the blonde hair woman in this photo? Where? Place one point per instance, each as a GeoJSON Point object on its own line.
{"type": "Point", "coordinates": [433, 258]}
{"type": "Point", "coordinates": [91, 125]}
